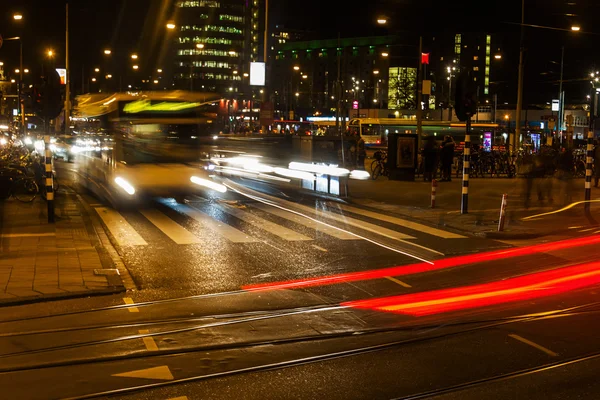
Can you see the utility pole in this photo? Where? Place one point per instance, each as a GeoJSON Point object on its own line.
{"type": "Point", "coordinates": [420, 95]}
{"type": "Point", "coordinates": [515, 143]}
{"type": "Point", "coordinates": [338, 96]}
{"type": "Point", "coordinates": [561, 110]}
{"type": "Point", "coordinates": [266, 94]}
{"type": "Point", "coordinates": [68, 81]}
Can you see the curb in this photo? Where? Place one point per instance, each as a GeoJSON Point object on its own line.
{"type": "Point", "coordinates": [111, 252]}
{"type": "Point", "coordinates": [61, 296]}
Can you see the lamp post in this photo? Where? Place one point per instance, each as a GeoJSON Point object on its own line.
{"type": "Point", "coordinates": [20, 84]}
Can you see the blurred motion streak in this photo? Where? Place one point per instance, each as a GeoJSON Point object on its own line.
{"type": "Point", "coordinates": [411, 269]}
{"type": "Point", "coordinates": [561, 210]}
{"type": "Point", "coordinates": [527, 287]}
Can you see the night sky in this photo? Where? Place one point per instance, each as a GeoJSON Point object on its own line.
{"type": "Point", "coordinates": [128, 26]}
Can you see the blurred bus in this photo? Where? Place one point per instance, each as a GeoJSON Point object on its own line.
{"type": "Point", "coordinates": [157, 139]}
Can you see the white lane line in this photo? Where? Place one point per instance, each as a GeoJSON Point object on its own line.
{"type": "Point", "coordinates": [305, 222]}
{"type": "Point", "coordinates": [20, 235]}
{"type": "Point", "coordinates": [172, 229]}
{"type": "Point", "coordinates": [319, 248]}
{"type": "Point", "coordinates": [121, 230]}
{"type": "Point", "coordinates": [272, 201]}
{"type": "Point", "coordinates": [228, 232]}
{"type": "Point", "coordinates": [378, 230]}
{"type": "Point", "coordinates": [398, 281]}
{"type": "Point", "coordinates": [179, 398]}
{"type": "Point", "coordinates": [533, 344]}
{"type": "Point", "coordinates": [402, 222]}
{"type": "Point", "coordinates": [277, 230]}
{"type": "Point", "coordinates": [129, 300]}
{"type": "Point", "coordinates": [148, 340]}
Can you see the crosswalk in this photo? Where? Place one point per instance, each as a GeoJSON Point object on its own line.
{"type": "Point", "coordinates": [253, 222]}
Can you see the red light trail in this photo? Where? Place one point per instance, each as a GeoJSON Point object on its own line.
{"type": "Point", "coordinates": [541, 284]}
{"type": "Point", "coordinates": [403, 270]}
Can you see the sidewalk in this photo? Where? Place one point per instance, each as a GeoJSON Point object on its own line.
{"type": "Point", "coordinates": [42, 261]}
{"type": "Point", "coordinates": [413, 199]}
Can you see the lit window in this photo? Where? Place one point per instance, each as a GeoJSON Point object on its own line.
{"type": "Point", "coordinates": [475, 68]}
{"type": "Point", "coordinates": [234, 18]}
{"type": "Point", "coordinates": [475, 58]}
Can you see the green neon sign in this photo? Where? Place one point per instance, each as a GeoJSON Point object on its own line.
{"type": "Point", "coordinates": [145, 106]}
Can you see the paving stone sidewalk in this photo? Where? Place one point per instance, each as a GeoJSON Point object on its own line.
{"type": "Point", "coordinates": [40, 261]}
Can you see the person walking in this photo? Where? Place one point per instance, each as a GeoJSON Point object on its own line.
{"type": "Point", "coordinates": [447, 156]}
{"type": "Point", "coordinates": [430, 159]}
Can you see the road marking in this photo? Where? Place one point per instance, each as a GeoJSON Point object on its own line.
{"type": "Point", "coordinates": [277, 230]}
{"type": "Point", "coordinates": [20, 235]}
{"type": "Point", "coordinates": [587, 230]}
{"type": "Point", "coordinates": [121, 230]}
{"type": "Point", "coordinates": [179, 398]}
{"type": "Point", "coordinates": [305, 222]}
{"type": "Point", "coordinates": [172, 229]}
{"type": "Point", "coordinates": [533, 344]}
{"type": "Point", "coordinates": [398, 281]}
{"type": "Point", "coordinates": [402, 222]}
{"type": "Point", "coordinates": [163, 373]}
{"type": "Point", "coordinates": [95, 205]}
{"type": "Point", "coordinates": [148, 340]}
{"type": "Point", "coordinates": [319, 248]}
{"type": "Point", "coordinates": [228, 232]}
{"type": "Point", "coordinates": [129, 300]}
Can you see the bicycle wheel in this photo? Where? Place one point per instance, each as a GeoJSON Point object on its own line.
{"type": "Point", "coordinates": [25, 190]}
{"type": "Point", "coordinates": [376, 172]}
{"type": "Point", "coordinates": [374, 164]}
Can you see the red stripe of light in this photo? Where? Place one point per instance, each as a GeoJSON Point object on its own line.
{"type": "Point", "coordinates": [411, 269]}
{"type": "Point", "coordinates": [541, 284]}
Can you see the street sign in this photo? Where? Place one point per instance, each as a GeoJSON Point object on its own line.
{"type": "Point", "coordinates": [555, 105]}
{"type": "Point", "coordinates": [266, 113]}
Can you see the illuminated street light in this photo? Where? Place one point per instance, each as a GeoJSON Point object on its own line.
{"type": "Point", "coordinates": [385, 54]}
{"type": "Point", "coordinates": [17, 71]}
{"type": "Point", "coordinates": [159, 71]}
{"type": "Point", "coordinates": [26, 71]}
{"type": "Point", "coordinates": [297, 94]}
{"type": "Point", "coordinates": [134, 56]}
{"type": "Point", "coordinates": [261, 91]}
{"type": "Point", "coordinates": [498, 56]}
{"type": "Point", "coordinates": [171, 25]}
{"type": "Point", "coordinates": [296, 68]}
{"type": "Point", "coordinates": [304, 76]}
{"type": "Point", "coordinates": [18, 16]}
{"type": "Point", "coordinates": [93, 79]}
{"type": "Point", "coordinates": [108, 52]}
{"type": "Point", "coordinates": [156, 81]}
{"type": "Point", "coordinates": [376, 71]}
{"type": "Point", "coordinates": [96, 69]}
{"type": "Point", "coordinates": [109, 76]}
{"type": "Point", "coordinates": [12, 81]}
{"type": "Point", "coordinates": [50, 53]}
{"type": "Point", "coordinates": [136, 67]}
{"type": "Point", "coordinates": [1, 63]}
{"type": "Point", "coordinates": [575, 28]}
{"type": "Point", "coordinates": [235, 72]}
{"type": "Point", "coordinates": [246, 74]}
{"type": "Point", "coordinates": [506, 116]}
{"type": "Point", "coordinates": [199, 45]}
{"type": "Point", "coordinates": [382, 20]}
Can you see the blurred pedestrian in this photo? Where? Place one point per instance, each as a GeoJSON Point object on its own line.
{"type": "Point", "coordinates": [564, 171]}
{"type": "Point", "coordinates": [447, 157]}
{"type": "Point", "coordinates": [527, 171]}
{"type": "Point", "coordinates": [361, 152]}
{"type": "Point", "coordinates": [430, 159]}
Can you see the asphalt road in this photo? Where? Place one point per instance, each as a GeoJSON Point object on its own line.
{"type": "Point", "coordinates": [258, 295]}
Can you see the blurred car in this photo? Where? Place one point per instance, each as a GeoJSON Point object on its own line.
{"type": "Point", "coordinates": [64, 147]}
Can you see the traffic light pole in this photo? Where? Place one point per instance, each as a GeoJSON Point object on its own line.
{"type": "Point", "coordinates": [464, 208]}
{"type": "Point", "coordinates": [420, 95]}
{"type": "Point", "coordinates": [48, 152]}
{"type": "Point", "coordinates": [590, 154]}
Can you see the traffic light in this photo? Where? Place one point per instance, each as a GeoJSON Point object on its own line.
{"type": "Point", "coordinates": [47, 96]}
{"type": "Point", "coordinates": [465, 100]}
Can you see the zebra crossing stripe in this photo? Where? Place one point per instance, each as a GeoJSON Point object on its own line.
{"type": "Point", "coordinates": [120, 229]}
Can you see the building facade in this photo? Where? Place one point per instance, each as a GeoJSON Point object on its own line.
{"type": "Point", "coordinates": [215, 43]}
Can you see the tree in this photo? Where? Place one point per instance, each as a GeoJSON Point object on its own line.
{"type": "Point", "coordinates": [402, 88]}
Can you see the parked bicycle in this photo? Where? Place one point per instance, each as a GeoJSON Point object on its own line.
{"type": "Point", "coordinates": [379, 165]}
{"type": "Point", "coordinates": [18, 185]}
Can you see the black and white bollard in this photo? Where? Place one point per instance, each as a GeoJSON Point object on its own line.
{"type": "Point", "coordinates": [502, 213]}
{"type": "Point", "coordinates": [588, 169]}
{"type": "Point", "coordinates": [49, 179]}
{"type": "Point", "coordinates": [433, 192]}
{"type": "Point", "coordinates": [464, 209]}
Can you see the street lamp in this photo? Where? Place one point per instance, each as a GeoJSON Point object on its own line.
{"type": "Point", "coordinates": [498, 56]}
{"type": "Point", "coordinates": [18, 16]}
{"type": "Point", "coordinates": [382, 20]}
{"type": "Point", "coordinates": [385, 54]}
{"type": "Point", "coordinates": [50, 53]}
{"type": "Point", "coordinates": [304, 76]}
{"type": "Point", "coordinates": [156, 81]}
{"type": "Point", "coordinates": [26, 70]}
{"type": "Point", "coordinates": [296, 68]}
{"type": "Point", "coordinates": [171, 25]}
{"type": "Point", "coordinates": [136, 67]}
{"type": "Point", "coordinates": [96, 69]}
{"type": "Point", "coordinates": [246, 74]}
{"type": "Point", "coordinates": [199, 45]}
{"type": "Point", "coordinates": [235, 72]}
{"type": "Point", "coordinates": [109, 76]}
{"type": "Point", "coordinates": [93, 79]}
{"type": "Point", "coordinates": [107, 52]}
{"type": "Point", "coordinates": [159, 71]}
{"type": "Point", "coordinates": [17, 71]}
{"type": "Point", "coordinates": [134, 56]}
{"type": "Point", "coordinates": [575, 28]}
{"type": "Point", "coordinates": [376, 72]}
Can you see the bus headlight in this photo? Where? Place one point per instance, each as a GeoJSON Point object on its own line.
{"type": "Point", "coordinates": [209, 184]}
{"type": "Point", "coordinates": [126, 186]}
